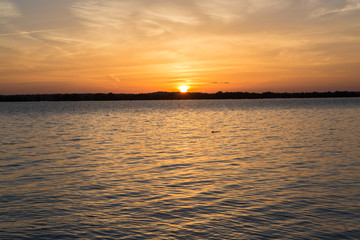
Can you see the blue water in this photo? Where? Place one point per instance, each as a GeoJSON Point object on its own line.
{"type": "Point", "coordinates": [191, 169]}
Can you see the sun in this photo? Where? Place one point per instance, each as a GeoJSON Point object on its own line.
{"type": "Point", "coordinates": [183, 88]}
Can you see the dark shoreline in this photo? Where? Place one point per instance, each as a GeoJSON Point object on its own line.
{"type": "Point", "coordinates": [170, 96]}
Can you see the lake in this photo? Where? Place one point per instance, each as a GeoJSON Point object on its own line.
{"type": "Point", "coordinates": [181, 169]}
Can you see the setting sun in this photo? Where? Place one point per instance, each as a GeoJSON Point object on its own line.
{"type": "Point", "coordinates": [184, 88]}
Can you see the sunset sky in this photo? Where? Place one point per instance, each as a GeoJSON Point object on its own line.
{"type": "Point", "coordinates": [137, 46]}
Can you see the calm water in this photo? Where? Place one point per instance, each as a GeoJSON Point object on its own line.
{"type": "Point", "coordinates": [222, 169]}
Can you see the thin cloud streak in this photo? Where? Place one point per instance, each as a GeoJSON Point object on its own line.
{"type": "Point", "coordinates": [21, 33]}
{"type": "Point", "coordinates": [8, 10]}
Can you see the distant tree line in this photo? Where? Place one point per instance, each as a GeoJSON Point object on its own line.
{"type": "Point", "coordinates": [171, 96]}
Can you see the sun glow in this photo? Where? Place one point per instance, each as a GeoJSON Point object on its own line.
{"type": "Point", "coordinates": [183, 88]}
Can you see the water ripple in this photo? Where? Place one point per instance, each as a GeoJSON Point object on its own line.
{"type": "Point", "coordinates": [260, 169]}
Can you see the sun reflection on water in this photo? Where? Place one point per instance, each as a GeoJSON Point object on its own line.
{"type": "Point", "coordinates": [190, 169]}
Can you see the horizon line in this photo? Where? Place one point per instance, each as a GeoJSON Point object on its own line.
{"type": "Point", "coordinates": [182, 93]}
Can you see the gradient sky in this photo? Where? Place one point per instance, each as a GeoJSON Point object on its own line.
{"type": "Point", "coordinates": [133, 46]}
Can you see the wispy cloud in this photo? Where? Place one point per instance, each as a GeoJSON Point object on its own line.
{"type": "Point", "coordinates": [323, 7]}
{"type": "Point", "coordinates": [8, 12]}
{"type": "Point", "coordinates": [22, 32]}
{"type": "Point", "coordinates": [156, 17]}
{"type": "Point", "coordinates": [220, 82]}
{"type": "Point", "coordinates": [149, 18]}
{"type": "Point", "coordinates": [8, 9]}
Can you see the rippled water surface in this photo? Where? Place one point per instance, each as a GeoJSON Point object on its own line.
{"type": "Point", "coordinates": [202, 169]}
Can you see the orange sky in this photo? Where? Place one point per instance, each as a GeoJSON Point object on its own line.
{"type": "Point", "coordinates": [135, 46]}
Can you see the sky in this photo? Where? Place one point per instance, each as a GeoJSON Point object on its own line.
{"type": "Point", "coordinates": [139, 46]}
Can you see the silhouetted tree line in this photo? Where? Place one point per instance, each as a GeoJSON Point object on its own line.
{"type": "Point", "coordinates": [171, 96]}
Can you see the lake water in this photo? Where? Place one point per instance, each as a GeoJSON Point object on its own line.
{"type": "Point", "coordinates": [191, 169]}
